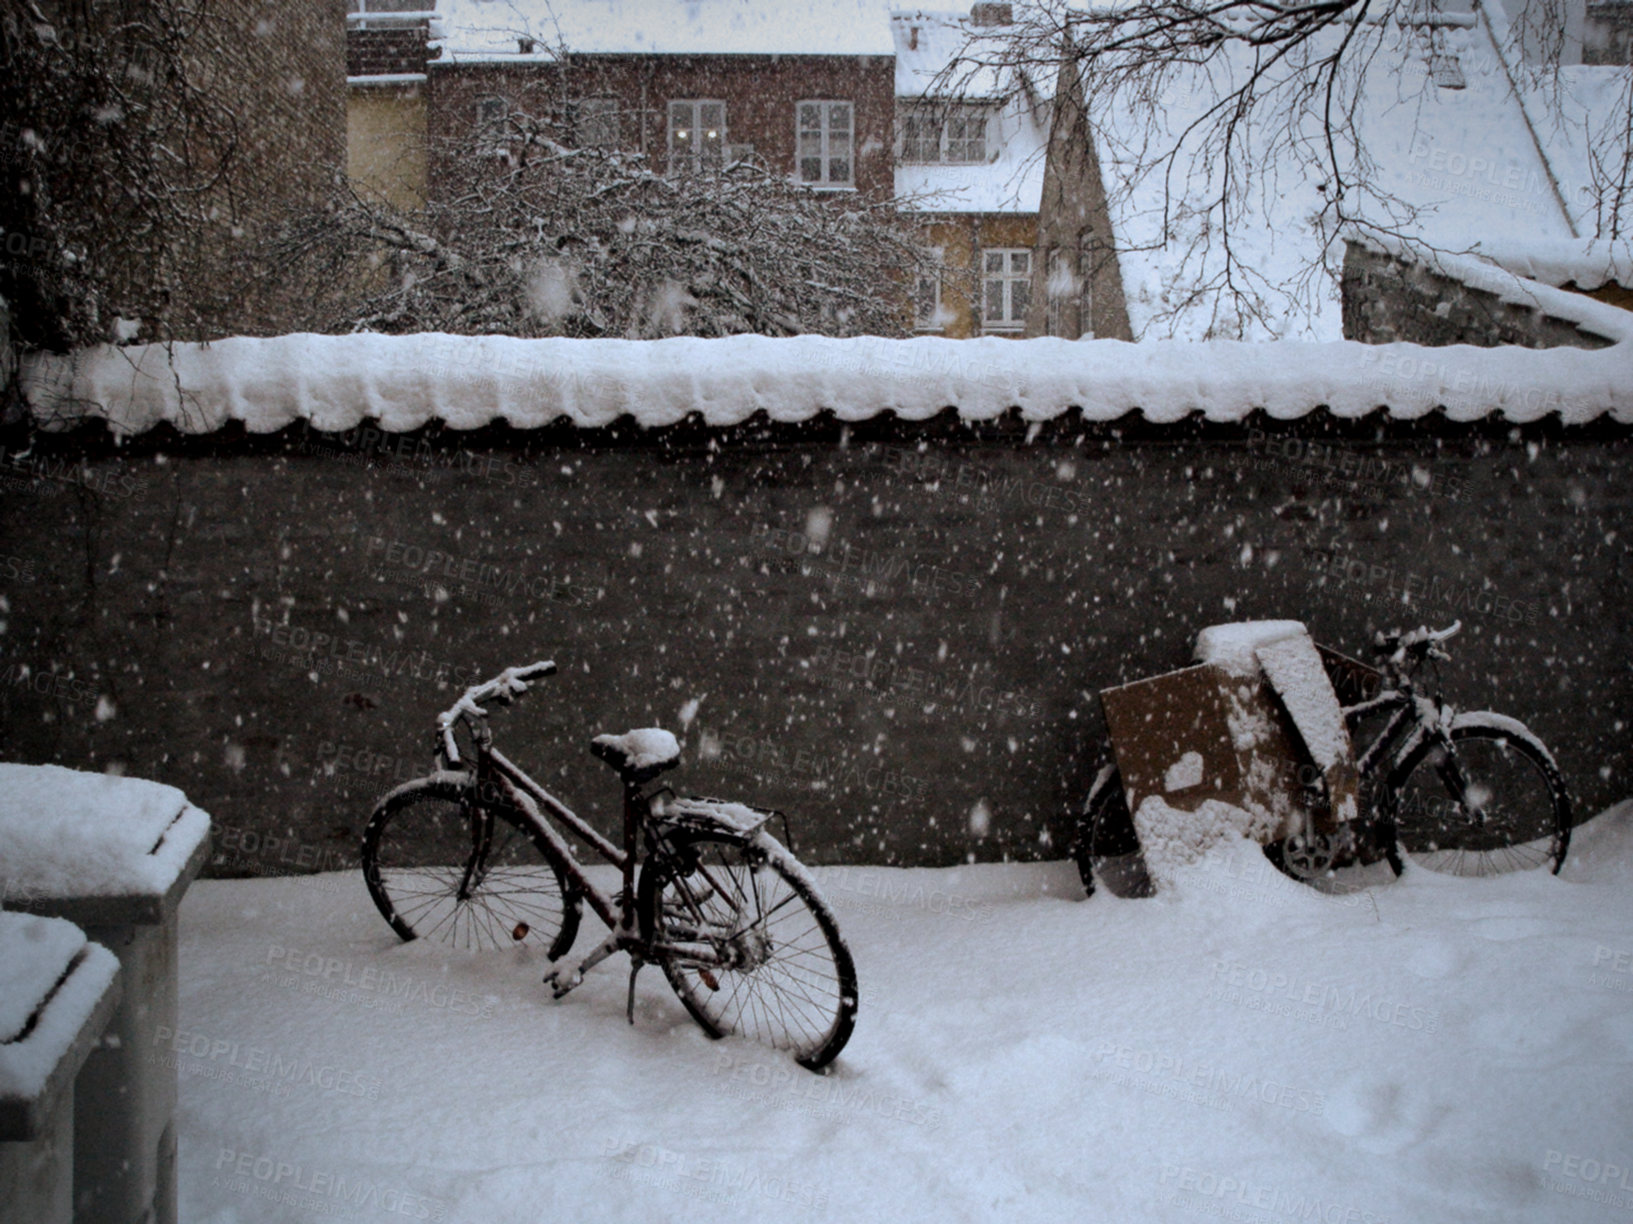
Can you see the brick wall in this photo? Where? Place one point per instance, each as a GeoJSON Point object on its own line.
{"type": "Point", "coordinates": [1386, 299]}
{"type": "Point", "coordinates": [283, 67]}
{"type": "Point", "coordinates": [271, 623]}
{"type": "Point", "coordinates": [759, 91]}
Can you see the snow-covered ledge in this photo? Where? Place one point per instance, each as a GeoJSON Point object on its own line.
{"type": "Point", "coordinates": [96, 849]}
{"type": "Point", "coordinates": [404, 382]}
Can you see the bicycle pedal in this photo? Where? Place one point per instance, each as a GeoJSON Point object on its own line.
{"type": "Point", "coordinates": [561, 984]}
{"type": "Point", "coordinates": [709, 979]}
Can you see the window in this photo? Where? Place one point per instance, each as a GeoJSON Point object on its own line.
{"type": "Point", "coordinates": [825, 142]}
{"type": "Point", "coordinates": [1069, 292]}
{"type": "Point", "coordinates": [954, 133]}
{"type": "Point", "coordinates": [697, 136]}
{"type": "Point", "coordinates": [1006, 277]}
{"type": "Point", "coordinates": [492, 138]}
{"type": "Point", "coordinates": [378, 14]}
{"type": "Point", "coordinates": [595, 123]}
{"type": "Point", "coordinates": [927, 314]}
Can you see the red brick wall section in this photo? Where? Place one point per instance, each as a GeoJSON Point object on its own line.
{"type": "Point", "coordinates": [283, 67]}
{"type": "Point", "coordinates": [760, 93]}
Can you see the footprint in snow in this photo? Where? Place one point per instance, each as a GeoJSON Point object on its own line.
{"type": "Point", "coordinates": [1435, 958]}
{"type": "Point", "coordinates": [1508, 929]}
{"type": "Point", "coordinates": [1523, 1031]}
{"type": "Point", "coordinates": [1380, 1115]}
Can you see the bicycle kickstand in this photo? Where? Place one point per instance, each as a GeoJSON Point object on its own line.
{"type": "Point", "coordinates": [635, 966]}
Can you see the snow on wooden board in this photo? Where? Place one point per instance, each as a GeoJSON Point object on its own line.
{"type": "Point", "coordinates": [405, 382]}
{"type": "Point", "coordinates": [35, 955]}
{"type": "Point", "coordinates": [69, 833]}
{"type": "Point", "coordinates": [1239, 1047]}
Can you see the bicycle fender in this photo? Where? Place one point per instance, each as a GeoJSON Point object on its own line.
{"type": "Point", "coordinates": [697, 813]}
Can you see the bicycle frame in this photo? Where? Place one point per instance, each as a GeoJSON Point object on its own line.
{"type": "Point", "coordinates": [495, 771]}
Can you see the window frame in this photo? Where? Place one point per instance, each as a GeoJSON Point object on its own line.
{"type": "Point", "coordinates": [586, 111]}
{"type": "Point", "coordinates": [934, 321]}
{"type": "Point", "coordinates": [942, 114]}
{"type": "Point", "coordinates": [1008, 277]}
{"type": "Point", "coordinates": [698, 160]}
{"type": "Point", "coordinates": [826, 157]}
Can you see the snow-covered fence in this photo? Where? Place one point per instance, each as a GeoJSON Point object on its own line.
{"type": "Point", "coordinates": [405, 382]}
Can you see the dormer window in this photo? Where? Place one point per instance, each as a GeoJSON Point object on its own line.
{"type": "Point", "coordinates": [946, 133]}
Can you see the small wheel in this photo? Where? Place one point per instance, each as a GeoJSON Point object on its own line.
{"type": "Point", "coordinates": [766, 960]}
{"type": "Point", "coordinates": [1108, 846]}
{"type": "Point", "coordinates": [442, 865]}
{"type": "Point", "coordinates": [1495, 803]}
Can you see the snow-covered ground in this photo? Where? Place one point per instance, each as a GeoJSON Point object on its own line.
{"type": "Point", "coordinates": [1241, 1048]}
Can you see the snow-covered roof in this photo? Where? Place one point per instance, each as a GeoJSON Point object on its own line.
{"type": "Point", "coordinates": [485, 31]}
{"type": "Point", "coordinates": [1452, 167]}
{"type": "Point", "coordinates": [1587, 263]}
{"type": "Point", "coordinates": [405, 382]}
{"type": "Point", "coordinates": [1017, 134]}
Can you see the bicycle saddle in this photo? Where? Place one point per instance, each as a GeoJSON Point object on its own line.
{"type": "Point", "coordinates": [638, 756]}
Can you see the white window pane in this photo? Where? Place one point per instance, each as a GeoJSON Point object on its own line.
{"type": "Point", "coordinates": [810, 115]}
{"type": "Point", "coordinates": [995, 261]}
{"type": "Point", "coordinates": [995, 300]}
{"type": "Point", "coordinates": [1020, 297]}
{"type": "Point", "coordinates": [839, 170]}
{"type": "Point", "coordinates": [810, 170]}
{"type": "Point", "coordinates": [1020, 262]}
{"type": "Point", "coordinates": [839, 116]}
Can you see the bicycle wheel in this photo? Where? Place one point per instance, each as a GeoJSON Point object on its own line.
{"type": "Point", "coordinates": [767, 961]}
{"type": "Point", "coordinates": [442, 865]}
{"type": "Point", "coordinates": [1495, 803]}
{"type": "Point", "coordinates": [1108, 846]}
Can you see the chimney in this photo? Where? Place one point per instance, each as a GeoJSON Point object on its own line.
{"type": "Point", "coordinates": [992, 14]}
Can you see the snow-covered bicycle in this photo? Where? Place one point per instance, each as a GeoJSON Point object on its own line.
{"type": "Point", "coordinates": [466, 856]}
{"type": "Point", "coordinates": [1472, 793]}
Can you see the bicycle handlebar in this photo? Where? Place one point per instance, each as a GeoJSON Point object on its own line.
{"type": "Point", "coordinates": [505, 687]}
{"type": "Point", "coordinates": [1421, 643]}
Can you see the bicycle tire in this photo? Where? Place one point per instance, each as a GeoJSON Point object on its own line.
{"type": "Point", "coordinates": [1107, 846]}
{"type": "Point", "coordinates": [1526, 813]}
{"type": "Point", "coordinates": [794, 987]}
{"type": "Point", "coordinates": [425, 836]}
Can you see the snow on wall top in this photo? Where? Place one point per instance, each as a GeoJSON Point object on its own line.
{"type": "Point", "coordinates": [1587, 314]}
{"type": "Point", "coordinates": [486, 31]}
{"type": "Point", "coordinates": [1587, 262]}
{"type": "Point", "coordinates": [66, 833]}
{"type": "Point", "coordinates": [405, 382]}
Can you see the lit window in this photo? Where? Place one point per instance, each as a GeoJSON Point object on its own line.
{"type": "Point", "coordinates": [954, 133]}
{"type": "Point", "coordinates": [697, 136]}
{"type": "Point", "coordinates": [826, 139]}
{"type": "Point", "coordinates": [1006, 277]}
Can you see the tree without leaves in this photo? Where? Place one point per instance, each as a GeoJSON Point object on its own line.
{"type": "Point", "coordinates": [1230, 107]}
{"type": "Point", "coordinates": [112, 150]}
{"type": "Point", "coordinates": [542, 239]}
